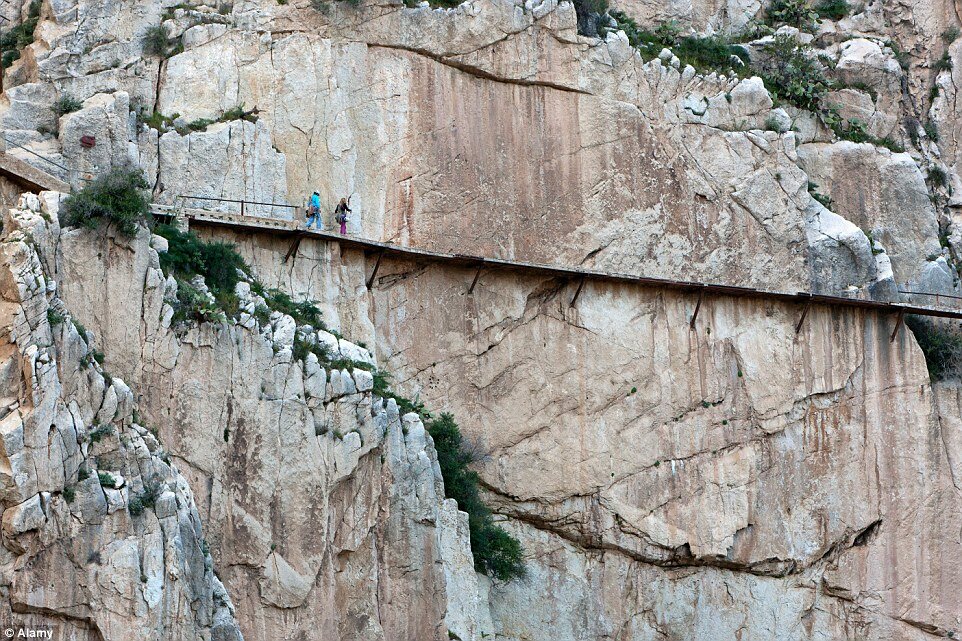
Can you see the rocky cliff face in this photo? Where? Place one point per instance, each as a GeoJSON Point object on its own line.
{"type": "Point", "coordinates": [738, 480]}
{"type": "Point", "coordinates": [586, 153]}
{"type": "Point", "coordinates": [323, 506]}
{"type": "Point", "coordinates": [668, 482]}
{"type": "Point", "coordinates": [101, 536]}
{"type": "Point", "coordinates": [319, 503]}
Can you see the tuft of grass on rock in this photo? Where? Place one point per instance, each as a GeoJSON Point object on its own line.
{"type": "Point", "coordinates": [66, 104]}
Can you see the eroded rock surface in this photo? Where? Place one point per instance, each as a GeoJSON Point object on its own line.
{"type": "Point", "coordinates": [587, 154]}
{"type": "Point", "coordinates": [101, 536]}
{"type": "Point", "coordinates": [740, 480]}
{"type": "Point", "coordinates": [324, 508]}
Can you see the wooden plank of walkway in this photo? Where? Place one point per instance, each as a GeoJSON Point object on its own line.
{"type": "Point", "coordinates": [28, 176]}
{"type": "Point", "coordinates": [387, 250]}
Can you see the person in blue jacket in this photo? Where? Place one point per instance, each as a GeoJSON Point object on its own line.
{"type": "Point", "coordinates": [314, 211]}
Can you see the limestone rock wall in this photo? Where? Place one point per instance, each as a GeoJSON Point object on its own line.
{"type": "Point", "coordinates": [735, 479]}
{"type": "Point", "coordinates": [101, 537]}
{"type": "Point", "coordinates": [323, 507]}
{"type": "Point", "coordinates": [585, 153]}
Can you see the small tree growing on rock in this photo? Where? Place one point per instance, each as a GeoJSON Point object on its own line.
{"type": "Point", "coordinates": [942, 345]}
{"type": "Point", "coordinates": [496, 553]}
{"type": "Point", "coordinates": [119, 197]}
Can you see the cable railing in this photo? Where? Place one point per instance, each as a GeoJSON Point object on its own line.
{"type": "Point", "coordinates": [68, 174]}
{"type": "Point", "coordinates": [247, 208]}
{"type": "Point", "coordinates": [33, 153]}
{"type": "Point", "coordinates": [938, 299]}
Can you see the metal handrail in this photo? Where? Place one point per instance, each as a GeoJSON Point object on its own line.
{"type": "Point", "coordinates": [235, 200]}
{"type": "Point", "coordinates": [243, 203]}
{"type": "Point", "coordinates": [69, 172]}
{"type": "Point", "coordinates": [371, 247]}
{"type": "Point", "coordinates": [31, 151]}
{"type": "Point", "coordinates": [936, 294]}
{"type": "Point", "coordinates": [716, 288]}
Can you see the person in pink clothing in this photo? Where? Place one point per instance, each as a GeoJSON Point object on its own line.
{"type": "Point", "coordinates": [340, 214]}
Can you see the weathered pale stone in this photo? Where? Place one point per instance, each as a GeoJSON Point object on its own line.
{"type": "Point", "coordinates": [363, 380]}
{"type": "Point", "coordinates": [166, 505]}
{"type": "Point", "coordinates": [159, 243]}
{"type": "Point", "coordinates": [864, 59]}
{"type": "Point", "coordinates": [232, 160]}
{"type": "Point", "coordinates": [23, 517]}
{"type": "Point", "coordinates": [587, 156]}
{"type": "Point", "coordinates": [80, 555]}
{"type": "Point", "coordinates": [884, 193]}
{"type": "Point", "coordinates": [317, 485]}
{"type": "Point", "coordinates": [103, 118]}
{"type": "Point", "coordinates": [281, 585]}
{"type": "Point", "coordinates": [710, 15]}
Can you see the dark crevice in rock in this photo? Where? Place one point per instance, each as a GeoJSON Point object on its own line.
{"type": "Point", "coordinates": [867, 535]}
{"type": "Point", "coordinates": [575, 530]}
{"type": "Point", "coordinates": [480, 73]}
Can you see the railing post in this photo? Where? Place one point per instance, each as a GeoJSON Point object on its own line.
{"type": "Point", "coordinates": [242, 209]}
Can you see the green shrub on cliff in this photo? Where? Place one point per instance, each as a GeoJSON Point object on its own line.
{"type": "Point", "coordinates": [791, 73]}
{"type": "Point", "coordinates": [833, 9]}
{"type": "Point", "coordinates": [704, 53]}
{"type": "Point", "coordinates": [118, 197]}
{"type": "Point", "coordinates": [144, 500]}
{"type": "Point", "coordinates": [12, 42]}
{"type": "Point", "coordinates": [66, 104]}
{"type": "Point", "coordinates": [496, 553]}
{"type": "Point", "coordinates": [325, 5]}
{"type": "Point", "coordinates": [382, 388]}
{"type": "Point", "coordinates": [941, 344]}
{"type": "Point", "coordinates": [592, 17]}
{"type": "Point", "coordinates": [219, 263]}
{"type": "Point", "coordinates": [157, 43]}
{"type": "Point", "coordinates": [794, 13]}
{"type": "Point", "coordinates": [303, 312]}
{"type": "Point", "coordinates": [187, 256]}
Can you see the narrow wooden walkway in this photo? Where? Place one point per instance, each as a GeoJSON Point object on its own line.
{"type": "Point", "coordinates": [34, 179]}
{"type": "Point", "coordinates": [294, 230]}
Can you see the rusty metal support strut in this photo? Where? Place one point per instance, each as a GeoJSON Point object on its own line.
{"type": "Point", "coordinates": [574, 299]}
{"type": "Point", "coordinates": [377, 266]}
{"type": "Point", "coordinates": [477, 275]}
{"type": "Point", "coordinates": [694, 315]}
{"type": "Point", "coordinates": [294, 245]}
{"type": "Point", "coordinates": [898, 325]}
{"type": "Point", "coordinates": [801, 320]}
